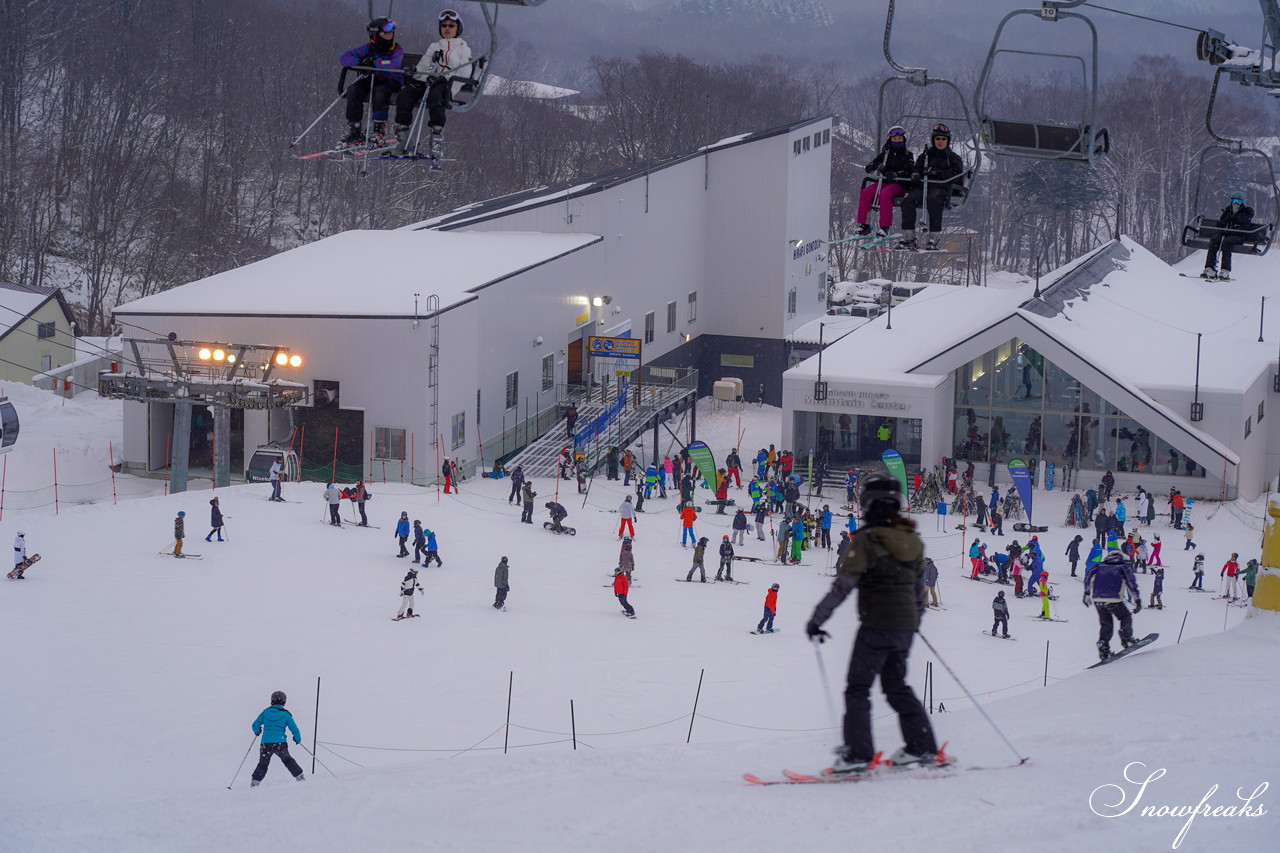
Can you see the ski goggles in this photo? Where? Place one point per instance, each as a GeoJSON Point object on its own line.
{"type": "Point", "coordinates": [388, 27]}
{"type": "Point", "coordinates": [1237, 200]}
{"type": "Point", "coordinates": [450, 15]}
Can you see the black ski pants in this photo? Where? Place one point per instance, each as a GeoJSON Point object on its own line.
{"type": "Point", "coordinates": [1001, 623]}
{"type": "Point", "coordinates": [335, 515]}
{"type": "Point", "coordinates": [934, 203]}
{"type": "Point", "coordinates": [883, 653]}
{"type": "Point", "coordinates": [515, 490]}
{"type": "Point", "coordinates": [1223, 243]}
{"type": "Point", "coordinates": [526, 514]}
{"type": "Point", "coordinates": [438, 97]}
{"type": "Point", "coordinates": [1109, 613]}
{"type": "Point", "coordinates": [265, 751]}
{"type": "Point", "coordinates": [358, 93]}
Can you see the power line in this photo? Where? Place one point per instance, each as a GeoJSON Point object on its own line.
{"type": "Point", "coordinates": [1144, 18]}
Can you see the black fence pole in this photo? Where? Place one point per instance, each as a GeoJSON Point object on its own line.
{"type": "Point", "coordinates": [694, 715]}
{"type": "Point", "coordinates": [573, 725]}
{"type": "Point", "coordinates": [1184, 625]}
{"type": "Point", "coordinates": [506, 730]}
{"type": "Point", "coordinates": [1046, 663]}
{"type": "Point", "coordinates": [315, 728]}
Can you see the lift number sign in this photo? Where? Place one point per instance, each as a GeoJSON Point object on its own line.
{"type": "Point", "coordinates": [614, 347]}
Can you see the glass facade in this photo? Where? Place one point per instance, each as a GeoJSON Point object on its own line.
{"type": "Point", "coordinates": [844, 439]}
{"type": "Point", "coordinates": [1013, 402]}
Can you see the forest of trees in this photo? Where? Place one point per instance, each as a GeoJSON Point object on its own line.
{"type": "Point", "coordinates": [145, 144]}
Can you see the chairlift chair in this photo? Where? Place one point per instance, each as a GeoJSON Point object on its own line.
{"type": "Point", "coordinates": [8, 425]}
{"type": "Point", "coordinates": [1082, 141]}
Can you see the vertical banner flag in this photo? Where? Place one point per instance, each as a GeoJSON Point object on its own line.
{"type": "Point", "coordinates": [893, 461]}
{"type": "Point", "coordinates": [1022, 481]}
{"type": "Point", "coordinates": [701, 456]}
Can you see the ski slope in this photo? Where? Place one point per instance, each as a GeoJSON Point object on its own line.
{"type": "Point", "coordinates": [130, 681]}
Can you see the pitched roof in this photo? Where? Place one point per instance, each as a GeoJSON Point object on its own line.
{"type": "Point", "coordinates": [20, 301]}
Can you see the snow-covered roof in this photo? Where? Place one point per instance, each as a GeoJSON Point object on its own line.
{"type": "Point", "coordinates": [364, 274]}
{"type": "Point", "coordinates": [17, 301]}
{"type": "Point", "coordinates": [829, 327]}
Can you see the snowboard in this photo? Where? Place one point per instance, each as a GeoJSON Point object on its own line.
{"type": "Point", "coordinates": [1050, 619]}
{"type": "Point", "coordinates": [18, 569]}
{"type": "Point", "coordinates": [767, 631]}
{"type": "Point", "coordinates": [1145, 641]}
{"type": "Point", "coordinates": [989, 634]}
{"type": "Point", "coordinates": [1048, 477]}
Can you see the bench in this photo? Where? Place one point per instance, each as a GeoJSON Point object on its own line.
{"type": "Point", "coordinates": [1204, 228]}
{"type": "Point", "coordinates": [1050, 141]}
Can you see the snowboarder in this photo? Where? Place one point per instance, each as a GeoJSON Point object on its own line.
{"type": "Point", "coordinates": [275, 475]}
{"type": "Point", "coordinates": [215, 521]}
{"type": "Point", "coordinates": [433, 550]}
{"type": "Point", "coordinates": [886, 565]}
{"type": "Point", "coordinates": [407, 588]}
{"type": "Point", "coordinates": [1234, 227]}
{"type": "Point", "coordinates": [271, 724]}
{"type": "Point", "coordinates": [1105, 588]}
{"type": "Point", "coordinates": [1000, 615]}
{"type": "Point", "coordinates": [892, 167]}
{"type": "Point", "coordinates": [740, 527]}
{"type": "Point", "coordinates": [434, 76]}
{"type": "Point", "coordinates": [383, 58]}
{"type": "Point", "coordinates": [620, 588]}
{"type": "Point", "coordinates": [1073, 553]}
{"type": "Point", "coordinates": [558, 514]}
{"type": "Point", "coordinates": [770, 611]}
{"type": "Point", "coordinates": [726, 560]}
{"type": "Point", "coordinates": [527, 494]}
{"type": "Point", "coordinates": [333, 497]}
{"type": "Point", "coordinates": [501, 584]}
{"type": "Point", "coordinates": [626, 558]}
{"type": "Point", "coordinates": [627, 513]}
{"type": "Point", "coordinates": [699, 556]}
{"type": "Point", "coordinates": [402, 533]}
{"type": "Point", "coordinates": [20, 561]}
{"type": "Point", "coordinates": [419, 541]}
{"type": "Point", "coordinates": [179, 533]}
{"type": "Point", "coordinates": [1197, 566]}
{"type": "Point", "coordinates": [1157, 588]}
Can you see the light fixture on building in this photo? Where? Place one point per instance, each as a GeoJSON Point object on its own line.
{"type": "Point", "coordinates": [205, 354]}
{"type": "Point", "coordinates": [601, 300]}
{"type": "Point", "coordinates": [537, 342]}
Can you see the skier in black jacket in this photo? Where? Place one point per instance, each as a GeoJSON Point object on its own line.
{"type": "Point", "coordinates": [942, 167]}
{"type": "Point", "coordinates": [893, 167]}
{"type": "Point", "coordinates": [1236, 226]}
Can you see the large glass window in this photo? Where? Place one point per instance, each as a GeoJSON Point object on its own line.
{"type": "Point", "coordinates": [1012, 402]}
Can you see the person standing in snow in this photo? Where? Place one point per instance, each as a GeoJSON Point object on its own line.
{"type": "Point", "coordinates": [762, 515]}
{"type": "Point", "coordinates": [930, 582]}
{"type": "Point", "coordinates": [688, 516]}
{"type": "Point", "coordinates": [447, 472]}
{"type": "Point", "coordinates": [627, 516]}
{"type": "Point", "coordinates": [885, 564]}
{"type": "Point", "coordinates": [770, 611]}
{"type": "Point", "coordinates": [407, 589]}
{"type": "Point", "coordinates": [570, 419]}
{"type": "Point", "coordinates": [824, 526]}
{"type": "Point", "coordinates": [1155, 552]}
{"type": "Point", "coordinates": [271, 724]}
{"type": "Point", "coordinates": [1189, 532]}
{"type": "Point", "coordinates": [419, 541]}
{"type": "Point", "coordinates": [740, 527]}
{"type": "Point", "coordinates": [1249, 574]}
{"type": "Point", "coordinates": [275, 475]}
{"type": "Point", "coordinates": [626, 558]}
{"type": "Point", "coordinates": [1157, 590]}
{"type": "Point", "coordinates": [621, 586]}
{"type": "Point", "coordinates": [502, 584]}
{"type": "Point", "coordinates": [527, 494]}
{"type": "Point", "coordinates": [402, 533]}
{"type": "Point", "coordinates": [20, 563]}
{"type": "Point", "coordinates": [726, 560]}
{"type": "Point", "coordinates": [1045, 592]}
{"type": "Point", "coordinates": [1227, 577]}
{"type": "Point", "coordinates": [179, 533]}
{"type": "Point", "coordinates": [733, 467]}
{"type": "Point", "coordinates": [1073, 553]}
{"type": "Point", "coordinates": [699, 558]}
{"type": "Point", "coordinates": [215, 521]}
{"type": "Point", "coordinates": [358, 497]}
{"type": "Point", "coordinates": [1197, 567]}
{"type": "Point", "coordinates": [333, 497]}
{"type": "Point", "coordinates": [1144, 500]}
{"type": "Point", "coordinates": [517, 480]}
{"type": "Point", "coordinates": [1105, 587]}
{"type": "Point", "coordinates": [433, 550]}
{"type": "Point", "coordinates": [1000, 615]}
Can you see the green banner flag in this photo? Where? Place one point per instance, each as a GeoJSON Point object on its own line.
{"type": "Point", "coordinates": [898, 468]}
{"type": "Point", "coordinates": [701, 456]}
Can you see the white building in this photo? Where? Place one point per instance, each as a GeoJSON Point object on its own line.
{"type": "Point", "coordinates": [37, 331]}
{"type": "Point", "coordinates": [696, 256]}
{"type": "Point", "coordinates": [1098, 372]}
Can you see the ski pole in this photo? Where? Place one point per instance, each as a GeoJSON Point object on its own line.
{"type": "Point", "coordinates": [243, 760]}
{"type": "Point", "coordinates": [826, 684]}
{"type": "Point", "coordinates": [975, 702]}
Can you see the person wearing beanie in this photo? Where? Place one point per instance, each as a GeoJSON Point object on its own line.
{"type": "Point", "coordinates": [699, 555]}
{"type": "Point", "coordinates": [502, 584]}
{"type": "Point", "coordinates": [726, 560]}
{"type": "Point", "coordinates": [179, 532]}
{"type": "Point", "coordinates": [271, 724]}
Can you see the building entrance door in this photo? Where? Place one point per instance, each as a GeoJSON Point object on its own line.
{"type": "Point", "coordinates": [574, 372]}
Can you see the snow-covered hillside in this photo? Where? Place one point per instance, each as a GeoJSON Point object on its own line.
{"type": "Point", "coordinates": [130, 681]}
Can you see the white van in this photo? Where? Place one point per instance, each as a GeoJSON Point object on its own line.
{"type": "Point", "coordinates": [873, 290]}
{"type": "Point", "coordinates": [902, 291]}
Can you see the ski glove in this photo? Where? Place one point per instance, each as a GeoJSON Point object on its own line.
{"type": "Point", "coordinates": [1137, 605]}
{"type": "Point", "coordinates": [815, 632]}
{"type": "Point", "coordinates": [1087, 600]}
{"type": "Point", "coordinates": [437, 57]}
{"type": "Point", "coordinates": [890, 176]}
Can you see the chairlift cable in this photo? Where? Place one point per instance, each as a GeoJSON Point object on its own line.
{"type": "Point", "coordinates": [1143, 17]}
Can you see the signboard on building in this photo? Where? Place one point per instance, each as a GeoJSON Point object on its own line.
{"type": "Point", "coordinates": [603, 347]}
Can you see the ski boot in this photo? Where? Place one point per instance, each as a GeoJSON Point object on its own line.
{"type": "Point", "coordinates": [908, 241]}
{"type": "Point", "coordinates": [902, 758]}
{"type": "Point", "coordinates": [862, 231]}
{"type": "Point", "coordinates": [253, 783]}
{"type": "Point", "coordinates": [843, 768]}
{"type": "Point", "coordinates": [402, 137]}
{"type": "Point", "coordinates": [1225, 275]}
{"type": "Point", "coordinates": [436, 150]}
{"type": "Point", "coordinates": [1209, 274]}
{"type": "Point", "coordinates": [378, 138]}
{"type": "Point", "coordinates": [932, 245]}
{"type": "Point", "coordinates": [354, 137]}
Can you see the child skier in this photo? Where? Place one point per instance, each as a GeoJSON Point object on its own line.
{"type": "Point", "coordinates": [407, 588]}
{"type": "Point", "coordinates": [699, 553]}
{"type": "Point", "coordinates": [215, 521]}
{"type": "Point", "coordinates": [1188, 532]}
{"type": "Point", "coordinates": [271, 724]}
{"type": "Point", "coordinates": [401, 533]}
{"type": "Point", "coordinates": [432, 549]}
{"type": "Point", "coordinates": [770, 610]}
{"type": "Point", "coordinates": [626, 559]}
{"type": "Point", "coordinates": [419, 541]}
{"type": "Point", "coordinates": [1155, 552]}
{"type": "Point", "coordinates": [1000, 615]}
{"type": "Point", "coordinates": [179, 532]}
{"type": "Point", "coordinates": [726, 560]}
{"type": "Point", "coordinates": [1044, 593]}
{"type": "Point", "coordinates": [1157, 588]}
{"type": "Point", "coordinates": [1198, 568]}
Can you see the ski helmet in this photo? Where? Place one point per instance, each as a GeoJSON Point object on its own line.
{"type": "Point", "coordinates": [726, 536]}
{"type": "Point", "coordinates": [450, 15]}
{"type": "Point", "coordinates": [181, 513]}
{"type": "Point", "coordinates": [941, 130]}
{"type": "Point", "coordinates": [20, 533]}
{"type": "Point", "coordinates": [881, 496]}
{"type": "Point", "coordinates": [378, 26]}
{"type": "Point", "coordinates": [775, 587]}
{"type": "Point", "coordinates": [278, 698]}
{"type": "Point", "coordinates": [896, 130]}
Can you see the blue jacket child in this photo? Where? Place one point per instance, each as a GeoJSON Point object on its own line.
{"type": "Point", "coordinates": [271, 724]}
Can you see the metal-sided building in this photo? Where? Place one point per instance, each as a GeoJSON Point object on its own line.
{"type": "Point", "coordinates": [470, 327]}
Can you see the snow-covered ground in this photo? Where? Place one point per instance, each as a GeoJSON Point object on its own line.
{"type": "Point", "coordinates": [130, 679]}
